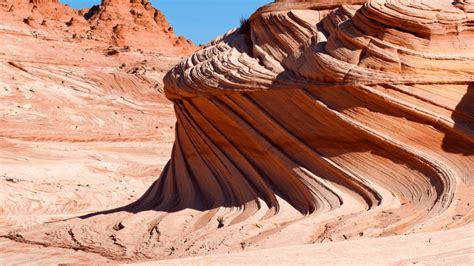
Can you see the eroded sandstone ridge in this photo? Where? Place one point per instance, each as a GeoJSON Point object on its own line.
{"type": "Point", "coordinates": [315, 121]}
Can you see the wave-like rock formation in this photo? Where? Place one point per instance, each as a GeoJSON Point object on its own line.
{"type": "Point", "coordinates": [315, 121]}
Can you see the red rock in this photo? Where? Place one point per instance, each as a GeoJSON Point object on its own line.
{"type": "Point", "coordinates": [317, 121]}
{"type": "Point", "coordinates": [132, 23]}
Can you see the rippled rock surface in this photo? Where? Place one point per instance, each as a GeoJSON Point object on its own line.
{"type": "Point", "coordinates": [315, 121]}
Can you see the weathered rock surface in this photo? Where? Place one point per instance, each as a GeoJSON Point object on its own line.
{"type": "Point", "coordinates": [315, 121]}
{"type": "Point", "coordinates": [135, 23]}
{"type": "Point", "coordinates": [84, 124]}
{"type": "Point", "coordinates": [120, 23]}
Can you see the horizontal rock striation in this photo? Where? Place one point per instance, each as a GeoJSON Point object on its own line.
{"type": "Point", "coordinates": [315, 121]}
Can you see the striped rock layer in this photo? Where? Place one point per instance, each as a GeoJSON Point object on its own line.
{"type": "Point", "coordinates": [315, 121]}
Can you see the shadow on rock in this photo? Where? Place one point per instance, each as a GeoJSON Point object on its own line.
{"type": "Point", "coordinates": [463, 117]}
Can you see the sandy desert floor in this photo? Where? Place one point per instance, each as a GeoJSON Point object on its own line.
{"type": "Point", "coordinates": [99, 131]}
{"type": "Point", "coordinates": [453, 247]}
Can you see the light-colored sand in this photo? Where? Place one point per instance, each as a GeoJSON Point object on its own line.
{"type": "Point", "coordinates": [453, 247]}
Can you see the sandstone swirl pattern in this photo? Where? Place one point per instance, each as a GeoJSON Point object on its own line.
{"type": "Point", "coordinates": [315, 121]}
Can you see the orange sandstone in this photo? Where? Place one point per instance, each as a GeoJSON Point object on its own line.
{"type": "Point", "coordinates": [315, 121]}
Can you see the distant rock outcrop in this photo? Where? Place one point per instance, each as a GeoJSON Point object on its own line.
{"type": "Point", "coordinates": [134, 23]}
{"type": "Point", "coordinates": [117, 22]}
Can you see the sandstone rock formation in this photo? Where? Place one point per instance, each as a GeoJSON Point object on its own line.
{"type": "Point", "coordinates": [116, 22]}
{"type": "Point", "coordinates": [318, 104]}
{"type": "Point", "coordinates": [315, 121]}
{"type": "Point", "coordinates": [135, 23]}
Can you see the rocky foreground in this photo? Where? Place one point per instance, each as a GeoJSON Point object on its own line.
{"type": "Point", "coordinates": [84, 124]}
{"type": "Point", "coordinates": [340, 128]}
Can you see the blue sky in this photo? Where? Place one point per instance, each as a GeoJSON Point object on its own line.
{"type": "Point", "coordinates": [198, 20]}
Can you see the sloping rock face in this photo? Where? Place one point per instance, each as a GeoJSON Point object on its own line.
{"type": "Point", "coordinates": [84, 124]}
{"type": "Point", "coordinates": [315, 121]}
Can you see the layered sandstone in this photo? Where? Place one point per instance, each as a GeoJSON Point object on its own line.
{"type": "Point", "coordinates": [84, 123]}
{"type": "Point", "coordinates": [315, 121]}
